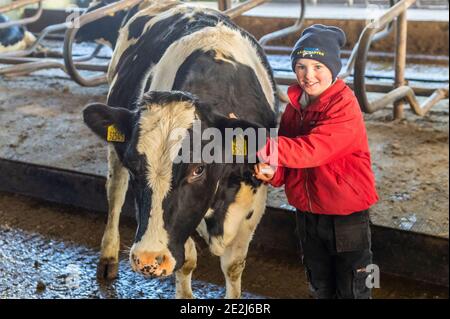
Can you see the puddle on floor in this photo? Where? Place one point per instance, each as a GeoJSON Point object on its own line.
{"type": "Point", "coordinates": [32, 266]}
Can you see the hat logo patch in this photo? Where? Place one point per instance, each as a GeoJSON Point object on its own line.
{"type": "Point", "coordinates": [311, 52]}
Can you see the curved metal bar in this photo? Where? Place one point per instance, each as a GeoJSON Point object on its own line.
{"type": "Point", "coordinates": [44, 33]}
{"type": "Point", "coordinates": [243, 7]}
{"type": "Point", "coordinates": [387, 31]}
{"type": "Point", "coordinates": [351, 62]}
{"type": "Point", "coordinates": [363, 48]}
{"type": "Point", "coordinates": [286, 31]}
{"type": "Point", "coordinates": [400, 93]}
{"type": "Point", "coordinates": [25, 68]}
{"type": "Point", "coordinates": [377, 37]}
{"type": "Point", "coordinates": [27, 65]}
{"type": "Point", "coordinates": [371, 86]}
{"type": "Point", "coordinates": [17, 4]}
{"type": "Point", "coordinates": [407, 93]}
{"type": "Point", "coordinates": [89, 56]}
{"type": "Point", "coordinates": [24, 21]}
{"type": "Point", "coordinates": [72, 31]}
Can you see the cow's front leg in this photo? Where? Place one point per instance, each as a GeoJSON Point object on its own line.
{"type": "Point", "coordinates": [184, 275]}
{"type": "Point", "coordinates": [232, 263]}
{"type": "Point", "coordinates": [233, 260]}
{"type": "Point", "coordinates": [116, 189]}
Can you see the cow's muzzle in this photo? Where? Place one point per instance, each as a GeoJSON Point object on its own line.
{"type": "Point", "coordinates": [153, 263]}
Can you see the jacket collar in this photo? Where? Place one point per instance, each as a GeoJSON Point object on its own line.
{"type": "Point", "coordinates": [295, 92]}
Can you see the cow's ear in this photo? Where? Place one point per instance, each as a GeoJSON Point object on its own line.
{"type": "Point", "coordinates": [242, 147]}
{"type": "Point", "coordinates": [113, 124]}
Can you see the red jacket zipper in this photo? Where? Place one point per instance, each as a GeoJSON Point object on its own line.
{"type": "Point", "coordinates": [307, 191]}
{"type": "Point", "coordinates": [305, 169]}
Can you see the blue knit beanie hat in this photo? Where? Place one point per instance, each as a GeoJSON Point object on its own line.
{"type": "Point", "coordinates": [321, 43]}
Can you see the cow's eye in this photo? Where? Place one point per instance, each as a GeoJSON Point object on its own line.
{"type": "Point", "coordinates": [198, 171]}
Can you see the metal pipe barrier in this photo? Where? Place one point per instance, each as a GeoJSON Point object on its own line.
{"type": "Point", "coordinates": [377, 37]}
{"type": "Point", "coordinates": [297, 27]}
{"type": "Point", "coordinates": [22, 66]}
{"type": "Point", "coordinates": [44, 34]}
{"type": "Point", "coordinates": [14, 6]}
{"type": "Point", "coordinates": [402, 91]}
{"type": "Point", "coordinates": [284, 32]}
{"type": "Point", "coordinates": [111, 9]}
{"type": "Point", "coordinates": [369, 34]}
{"type": "Point", "coordinates": [240, 8]}
{"type": "Point", "coordinates": [18, 4]}
{"type": "Point", "coordinates": [224, 5]}
{"type": "Point", "coordinates": [50, 29]}
{"type": "Point", "coordinates": [29, 65]}
{"type": "Point", "coordinates": [371, 86]}
{"type": "Point", "coordinates": [72, 31]}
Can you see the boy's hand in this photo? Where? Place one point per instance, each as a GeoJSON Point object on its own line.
{"type": "Point", "coordinates": [264, 172]}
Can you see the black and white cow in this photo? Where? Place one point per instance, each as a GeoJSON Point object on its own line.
{"type": "Point", "coordinates": [14, 38]}
{"type": "Point", "coordinates": [106, 30]}
{"type": "Point", "coordinates": [174, 64]}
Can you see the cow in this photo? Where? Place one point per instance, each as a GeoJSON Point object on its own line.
{"type": "Point", "coordinates": [106, 30]}
{"type": "Point", "coordinates": [14, 38]}
{"type": "Point", "coordinates": [175, 65]}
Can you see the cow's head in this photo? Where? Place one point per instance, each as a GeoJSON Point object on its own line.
{"type": "Point", "coordinates": [173, 194]}
{"type": "Point", "coordinates": [106, 29]}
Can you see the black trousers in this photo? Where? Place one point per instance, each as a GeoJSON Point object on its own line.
{"type": "Point", "coordinates": [335, 252]}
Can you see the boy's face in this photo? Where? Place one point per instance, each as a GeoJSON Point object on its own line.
{"type": "Point", "coordinates": [314, 77]}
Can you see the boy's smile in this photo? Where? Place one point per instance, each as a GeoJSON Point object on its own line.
{"type": "Point", "coordinates": [314, 77]}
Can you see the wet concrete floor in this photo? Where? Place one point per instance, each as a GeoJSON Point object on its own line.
{"type": "Point", "coordinates": [50, 251]}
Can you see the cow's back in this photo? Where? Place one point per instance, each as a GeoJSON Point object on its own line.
{"type": "Point", "coordinates": [177, 47]}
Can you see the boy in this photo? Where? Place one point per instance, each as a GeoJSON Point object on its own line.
{"type": "Point", "coordinates": [323, 159]}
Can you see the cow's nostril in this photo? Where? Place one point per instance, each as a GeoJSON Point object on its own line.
{"type": "Point", "coordinates": [135, 259]}
{"type": "Point", "coordinates": [160, 259]}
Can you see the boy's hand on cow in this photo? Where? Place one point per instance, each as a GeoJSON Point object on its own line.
{"type": "Point", "coordinates": [264, 172]}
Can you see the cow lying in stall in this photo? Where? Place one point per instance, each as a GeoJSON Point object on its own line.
{"type": "Point", "coordinates": [15, 38]}
{"type": "Point", "coordinates": [174, 65]}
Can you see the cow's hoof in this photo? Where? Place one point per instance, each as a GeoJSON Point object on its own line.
{"type": "Point", "coordinates": [107, 269]}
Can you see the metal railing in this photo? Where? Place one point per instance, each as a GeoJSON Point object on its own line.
{"type": "Point", "coordinates": [233, 12]}
{"type": "Point", "coordinates": [71, 32]}
{"type": "Point", "coordinates": [284, 32]}
{"type": "Point", "coordinates": [23, 62]}
{"type": "Point", "coordinates": [71, 67]}
{"type": "Point", "coordinates": [374, 31]}
{"type": "Point", "coordinates": [420, 4]}
{"type": "Point", "coordinates": [402, 92]}
{"type": "Point", "coordinates": [17, 5]}
{"type": "Point", "coordinates": [377, 37]}
{"type": "Point", "coordinates": [238, 10]}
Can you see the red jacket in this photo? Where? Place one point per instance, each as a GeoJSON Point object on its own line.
{"type": "Point", "coordinates": [323, 153]}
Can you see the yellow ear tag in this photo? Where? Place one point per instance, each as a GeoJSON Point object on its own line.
{"type": "Point", "coordinates": [114, 135]}
{"type": "Point", "coordinates": [239, 146]}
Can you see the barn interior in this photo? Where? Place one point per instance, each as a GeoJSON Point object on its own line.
{"type": "Point", "coordinates": [53, 170]}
